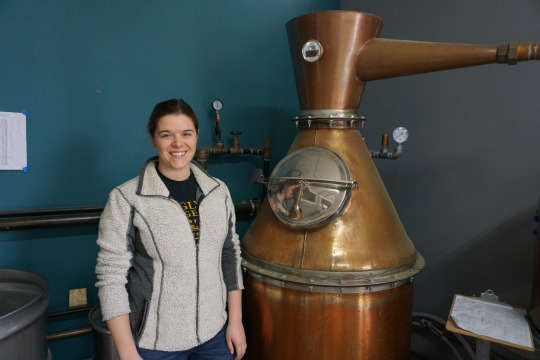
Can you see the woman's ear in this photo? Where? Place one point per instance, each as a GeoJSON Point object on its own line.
{"type": "Point", "coordinates": [152, 140]}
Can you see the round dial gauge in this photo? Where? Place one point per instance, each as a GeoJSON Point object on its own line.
{"type": "Point", "coordinates": [401, 134]}
{"type": "Point", "coordinates": [217, 104]}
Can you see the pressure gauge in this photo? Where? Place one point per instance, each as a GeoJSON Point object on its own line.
{"type": "Point", "coordinates": [401, 134]}
{"type": "Point", "coordinates": [217, 104]}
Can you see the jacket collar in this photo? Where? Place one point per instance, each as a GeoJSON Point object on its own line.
{"type": "Point", "coordinates": [150, 183]}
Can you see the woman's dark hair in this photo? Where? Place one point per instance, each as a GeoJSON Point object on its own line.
{"type": "Point", "coordinates": [171, 107]}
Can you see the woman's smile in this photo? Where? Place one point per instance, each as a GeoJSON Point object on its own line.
{"type": "Point", "coordinates": [175, 140]}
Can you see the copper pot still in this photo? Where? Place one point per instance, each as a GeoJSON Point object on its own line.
{"type": "Point", "coordinates": [329, 266]}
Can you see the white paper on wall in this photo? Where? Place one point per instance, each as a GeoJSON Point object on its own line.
{"type": "Point", "coordinates": [13, 141]}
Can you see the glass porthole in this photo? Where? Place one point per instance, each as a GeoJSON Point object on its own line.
{"type": "Point", "coordinates": [309, 187]}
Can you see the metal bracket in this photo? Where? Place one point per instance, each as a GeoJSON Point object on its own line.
{"type": "Point", "coordinates": [483, 347]}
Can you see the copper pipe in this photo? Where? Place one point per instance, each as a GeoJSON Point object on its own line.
{"type": "Point", "coordinates": [68, 334]}
{"type": "Point", "coordinates": [384, 146]}
{"type": "Point", "coordinates": [386, 58]}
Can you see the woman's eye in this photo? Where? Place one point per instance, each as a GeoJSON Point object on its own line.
{"type": "Point", "coordinates": [164, 136]}
{"type": "Point", "coordinates": [187, 134]}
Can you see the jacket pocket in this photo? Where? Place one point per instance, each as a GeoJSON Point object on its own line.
{"type": "Point", "coordinates": [141, 322]}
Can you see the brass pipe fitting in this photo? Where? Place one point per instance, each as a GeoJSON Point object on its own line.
{"type": "Point", "coordinates": [266, 150]}
{"type": "Point", "coordinates": [220, 150]}
{"type": "Point", "coordinates": [202, 154]}
{"type": "Point", "coordinates": [384, 153]}
{"type": "Point", "coordinates": [397, 152]}
{"type": "Point", "coordinates": [235, 148]}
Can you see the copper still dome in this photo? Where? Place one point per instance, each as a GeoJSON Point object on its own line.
{"type": "Point", "coordinates": [329, 265]}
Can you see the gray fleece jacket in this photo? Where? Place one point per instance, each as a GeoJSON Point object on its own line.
{"type": "Point", "coordinates": [150, 267]}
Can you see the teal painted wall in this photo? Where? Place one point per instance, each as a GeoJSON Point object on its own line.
{"type": "Point", "coordinates": [89, 73]}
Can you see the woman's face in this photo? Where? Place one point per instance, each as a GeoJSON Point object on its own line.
{"type": "Point", "coordinates": [175, 140]}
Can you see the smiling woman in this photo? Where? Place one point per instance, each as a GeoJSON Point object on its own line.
{"type": "Point", "coordinates": [175, 140]}
{"type": "Point", "coordinates": [180, 255]}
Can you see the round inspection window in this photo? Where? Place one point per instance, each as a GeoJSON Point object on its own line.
{"type": "Point", "coordinates": [309, 187]}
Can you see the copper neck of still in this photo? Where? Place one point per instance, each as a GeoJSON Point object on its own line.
{"type": "Point", "coordinates": [335, 53]}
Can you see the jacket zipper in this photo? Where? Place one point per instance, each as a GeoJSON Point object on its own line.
{"type": "Point", "coordinates": [197, 295]}
{"type": "Point", "coordinates": [197, 270]}
{"type": "Point", "coordinates": [202, 197]}
{"type": "Point", "coordinates": [197, 267]}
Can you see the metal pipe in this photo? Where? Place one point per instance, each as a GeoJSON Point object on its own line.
{"type": "Point", "coordinates": [68, 311]}
{"type": "Point", "coordinates": [204, 153]}
{"type": "Point", "coordinates": [50, 211]}
{"type": "Point", "coordinates": [392, 155]}
{"type": "Point", "coordinates": [384, 153]}
{"type": "Point", "coordinates": [39, 218]}
{"type": "Point", "coordinates": [266, 175]}
{"type": "Point", "coordinates": [397, 152]}
{"type": "Point", "coordinates": [68, 334]}
{"type": "Point", "coordinates": [252, 207]}
{"type": "Point", "coordinates": [32, 222]}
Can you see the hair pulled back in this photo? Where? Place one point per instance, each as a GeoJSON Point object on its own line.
{"type": "Point", "coordinates": [171, 107]}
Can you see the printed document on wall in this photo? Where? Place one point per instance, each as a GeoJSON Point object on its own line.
{"type": "Point", "coordinates": [13, 141]}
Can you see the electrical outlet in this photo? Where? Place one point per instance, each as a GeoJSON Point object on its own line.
{"type": "Point", "coordinates": [77, 297]}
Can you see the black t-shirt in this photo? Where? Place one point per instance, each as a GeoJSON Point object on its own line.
{"type": "Point", "coordinates": [185, 192]}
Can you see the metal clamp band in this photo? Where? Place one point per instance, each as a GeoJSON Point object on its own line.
{"type": "Point", "coordinates": [325, 281]}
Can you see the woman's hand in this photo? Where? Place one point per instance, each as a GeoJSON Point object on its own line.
{"type": "Point", "coordinates": [235, 334]}
{"type": "Point", "coordinates": [123, 340]}
{"type": "Point", "coordinates": [236, 339]}
{"type": "Point", "coordinates": [134, 357]}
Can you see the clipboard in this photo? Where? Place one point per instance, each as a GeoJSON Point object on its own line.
{"type": "Point", "coordinates": [452, 326]}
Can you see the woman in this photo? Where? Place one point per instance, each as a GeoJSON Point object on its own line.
{"type": "Point", "coordinates": [169, 258]}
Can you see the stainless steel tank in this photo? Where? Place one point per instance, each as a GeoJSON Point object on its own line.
{"type": "Point", "coordinates": [23, 301]}
{"type": "Point", "coordinates": [329, 265]}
